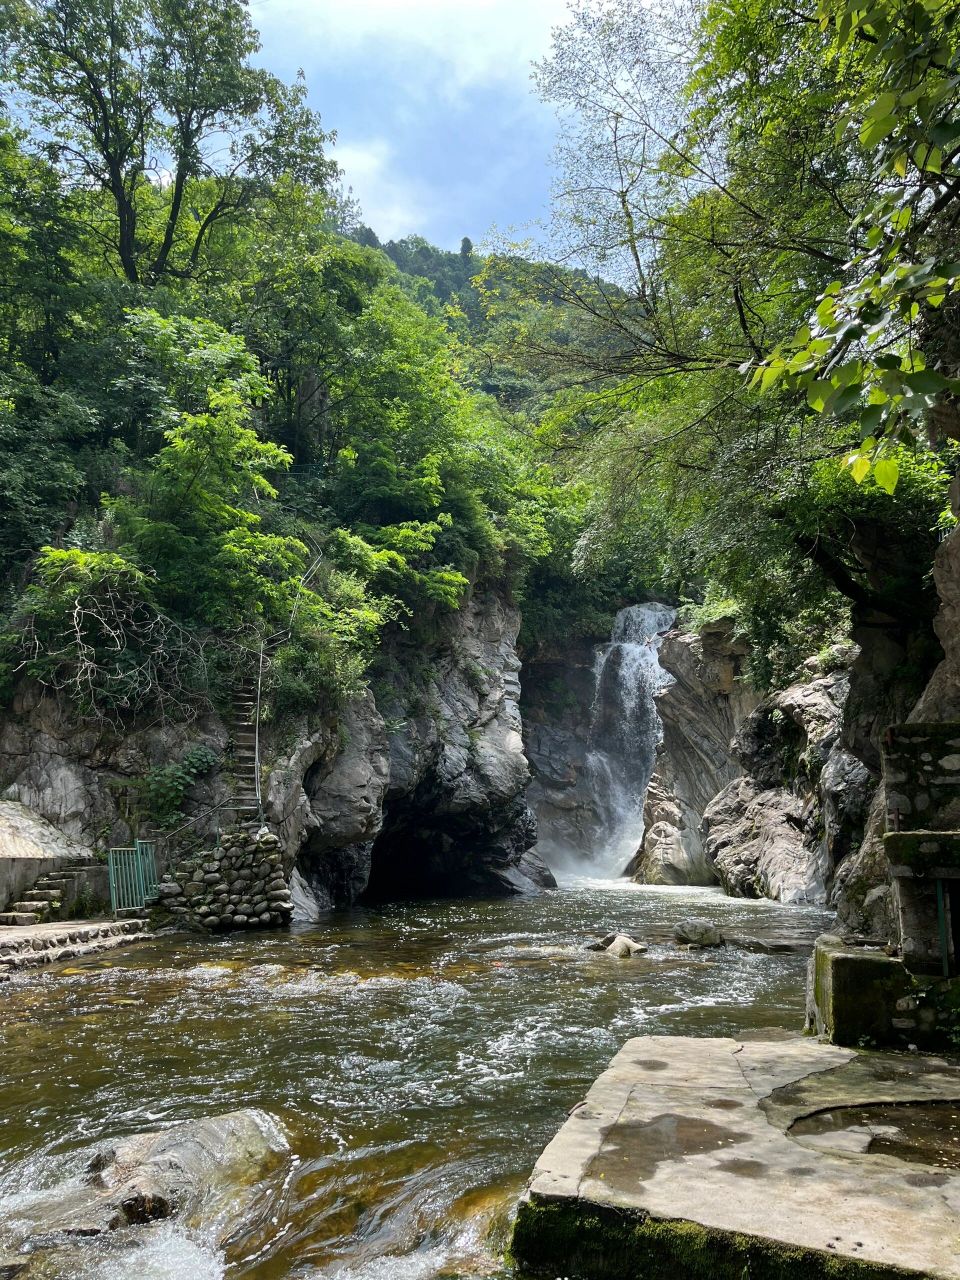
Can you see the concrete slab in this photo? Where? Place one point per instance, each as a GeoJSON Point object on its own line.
{"type": "Point", "coordinates": [681, 1162]}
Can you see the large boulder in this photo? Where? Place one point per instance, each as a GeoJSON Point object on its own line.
{"type": "Point", "coordinates": [698, 933]}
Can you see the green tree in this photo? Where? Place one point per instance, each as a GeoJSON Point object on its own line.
{"type": "Point", "coordinates": [159, 107]}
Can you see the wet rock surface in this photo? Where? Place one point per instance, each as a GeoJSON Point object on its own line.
{"type": "Point", "coordinates": [422, 792]}
{"type": "Point", "coordinates": [620, 1190]}
{"type": "Point", "coordinates": [700, 933]}
{"type": "Point", "coordinates": [217, 1174]}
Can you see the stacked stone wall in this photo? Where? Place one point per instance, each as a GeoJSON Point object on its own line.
{"type": "Point", "coordinates": [240, 885]}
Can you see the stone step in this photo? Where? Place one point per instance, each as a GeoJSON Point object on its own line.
{"type": "Point", "coordinates": [18, 918]}
{"type": "Point", "coordinates": [44, 893]}
{"type": "Point", "coordinates": [28, 905]}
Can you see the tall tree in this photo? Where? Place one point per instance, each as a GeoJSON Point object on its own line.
{"type": "Point", "coordinates": [158, 106]}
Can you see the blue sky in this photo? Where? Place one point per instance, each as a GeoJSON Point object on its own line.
{"type": "Point", "coordinates": [438, 129]}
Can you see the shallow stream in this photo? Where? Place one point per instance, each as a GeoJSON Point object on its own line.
{"type": "Point", "coordinates": [420, 1056]}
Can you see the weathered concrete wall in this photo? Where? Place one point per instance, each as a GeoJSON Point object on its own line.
{"type": "Point", "coordinates": [852, 993]}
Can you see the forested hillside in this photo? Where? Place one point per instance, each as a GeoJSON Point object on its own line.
{"type": "Point", "coordinates": [727, 376]}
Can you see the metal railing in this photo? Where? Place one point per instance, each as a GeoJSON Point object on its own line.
{"type": "Point", "coordinates": [133, 876]}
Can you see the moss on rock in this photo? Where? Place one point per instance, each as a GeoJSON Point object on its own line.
{"type": "Point", "coordinates": [581, 1241]}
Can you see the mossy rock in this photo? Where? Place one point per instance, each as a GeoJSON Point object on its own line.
{"type": "Point", "coordinates": [594, 1242]}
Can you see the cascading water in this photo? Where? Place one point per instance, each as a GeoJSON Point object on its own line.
{"type": "Point", "coordinates": [624, 732]}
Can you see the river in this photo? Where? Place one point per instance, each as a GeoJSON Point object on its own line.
{"type": "Point", "coordinates": [420, 1055]}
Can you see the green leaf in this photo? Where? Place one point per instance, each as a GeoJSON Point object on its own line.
{"type": "Point", "coordinates": [929, 158]}
{"type": "Point", "coordinates": [871, 419]}
{"type": "Point", "coordinates": [860, 467]}
{"type": "Point", "coordinates": [818, 393]}
{"type": "Point", "coordinates": [874, 131]}
{"type": "Point", "coordinates": [827, 312]}
{"type": "Point", "coordinates": [925, 381]}
{"type": "Point", "coordinates": [886, 472]}
{"type": "Point", "coordinates": [884, 106]}
{"type": "Point", "coordinates": [845, 399]}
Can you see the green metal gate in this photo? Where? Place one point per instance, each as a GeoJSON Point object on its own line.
{"type": "Point", "coordinates": [133, 876]}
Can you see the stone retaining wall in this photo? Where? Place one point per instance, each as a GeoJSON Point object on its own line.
{"type": "Point", "coordinates": [240, 885]}
{"type": "Point", "coordinates": [921, 771]}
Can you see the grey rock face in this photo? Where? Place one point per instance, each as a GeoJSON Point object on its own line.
{"type": "Point", "coordinates": [863, 893]}
{"type": "Point", "coordinates": [781, 829]}
{"type": "Point", "coordinates": [558, 693]}
{"type": "Point", "coordinates": [700, 712]}
{"type": "Point", "coordinates": [74, 775]}
{"type": "Point", "coordinates": [422, 791]}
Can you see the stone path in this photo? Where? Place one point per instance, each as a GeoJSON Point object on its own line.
{"type": "Point", "coordinates": [775, 1157]}
{"type": "Point", "coordinates": [30, 945]}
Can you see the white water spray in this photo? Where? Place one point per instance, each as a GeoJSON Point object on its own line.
{"type": "Point", "coordinates": [624, 732]}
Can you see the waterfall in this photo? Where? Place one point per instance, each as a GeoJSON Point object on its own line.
{"type": "Point", "coordinates": [624, 733]}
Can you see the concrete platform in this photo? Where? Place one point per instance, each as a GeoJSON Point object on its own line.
{"type": "Point", "coordinates": [751, 1160]}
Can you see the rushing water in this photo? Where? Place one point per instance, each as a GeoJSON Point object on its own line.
{"type": "Point", "coordinates": [419, 1056]}
{"type": "Point", "coordinates": [625, 730]}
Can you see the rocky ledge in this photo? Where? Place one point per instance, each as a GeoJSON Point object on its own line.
{"type": "Point", "coordinates": [819, 1163]}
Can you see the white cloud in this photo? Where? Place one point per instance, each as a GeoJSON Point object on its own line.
{"type": "Point", "coordinates": [392, 204]}
{"type": "Point", "coordinates": [479, 41]}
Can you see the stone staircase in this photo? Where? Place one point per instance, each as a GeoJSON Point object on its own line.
{"type": "Point", "coordinates": [244, 732]}
{"type": "Point", "coordinates": [43, 901]}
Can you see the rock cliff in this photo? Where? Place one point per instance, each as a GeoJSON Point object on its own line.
{"type": "Point", "coordinates": [420, 790]}
{"type": "Point", "coordinates": [781, 829]}
{"type": "Point", "coordinates": [862, 893]}
{"type": "Point", "coordinates": [558, 694]}
{"type": "Point", "coordinates": [417, 788]}
{"type": "Point", "coordinates": [700, 712]}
